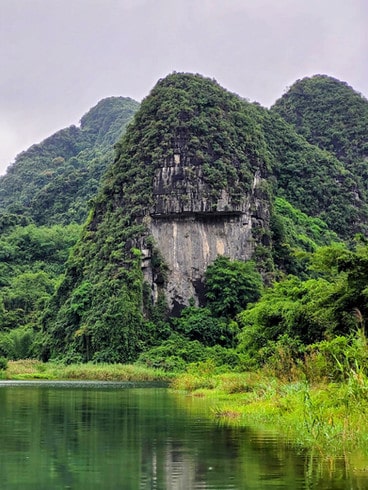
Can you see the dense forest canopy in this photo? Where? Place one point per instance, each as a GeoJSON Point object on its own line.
{"type": "Point", "coordinates": [52, 182]}
{"type": "Point", "coordinates": [314, 181]}
{"type": "Point", "coordinates": [329, 114]}
{"type": "Point", "coordinates": [79, 293]}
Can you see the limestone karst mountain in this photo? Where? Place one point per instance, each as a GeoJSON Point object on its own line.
{"type": "Point", "coordinates": [187, 185]}
{"type": "Point", "coordinates": [195, 177]}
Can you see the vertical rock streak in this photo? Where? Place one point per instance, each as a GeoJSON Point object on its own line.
{"type": "Point", "coordinates": [191, 227]}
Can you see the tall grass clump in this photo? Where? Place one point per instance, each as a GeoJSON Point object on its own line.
{"type": "Point", "coordinates": [34, 369]}
{"type": "Point", "coordinates": [316, 395]}
{"type": "Point", "coordinates": [198, 376]}
{"type": "Point", "coordinates": [341, 359]}
{"type": "Point", "coordinates": [111, 372]}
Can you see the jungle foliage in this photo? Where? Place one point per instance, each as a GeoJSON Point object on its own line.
{"type": "Point", "coordinates": [78, 293]}
{"type": "Point", "coordinates": [328, 113]}
{"type": "Point", "coordinates": [53, 181]}
{"type": "Point", "coordinates": [32, 261]}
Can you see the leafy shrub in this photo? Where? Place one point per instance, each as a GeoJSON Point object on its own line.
{"type": "Point", "coordinates": [17, 344]}
{"type": "Point", "coordinates": [231, 285]}
{"type": "Point", "coordinates": [177, 353]}
{"type": "Point", "coordinates": [3, 363]}
{"type": "Point", "coordinates": [282, 357]}
{"type": "Point", "coordinates": [339, 359]}
{"type": "Point", "coordinates": [199, 324]}
{"type": "Point", "coordinates": [225, 358]}
{"type": "Point", "coordinates": [173, 354]}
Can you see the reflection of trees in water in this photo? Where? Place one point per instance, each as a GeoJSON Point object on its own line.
{"type": "Point", "coordinates": [137, 439]}
{"type": "Point", "coordinates": [180, 468]}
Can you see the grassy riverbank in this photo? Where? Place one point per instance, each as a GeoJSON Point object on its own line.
{"type": "Point", "coordinates": [329, 417]}
{"type": "Point", "coordinates": [33, 369]}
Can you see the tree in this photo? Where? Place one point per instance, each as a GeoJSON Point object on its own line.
{"type": "Point", "coordinates": [199, 324]}
{"type": "Point", "coordinates": [231, 285]}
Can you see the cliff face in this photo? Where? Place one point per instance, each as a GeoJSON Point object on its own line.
{"type": "Point", "coordinates": [191, 228]}
{"type": "Point", "coordinates": [204, 165]}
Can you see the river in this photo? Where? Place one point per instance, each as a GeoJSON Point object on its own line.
{"type": "Point", "coordinates": [86, 436]}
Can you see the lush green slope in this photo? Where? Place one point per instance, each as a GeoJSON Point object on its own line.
{"type": "Point", "coordinates": [52, 182]}
{"type": "Point", "coordinates": [315, 181]}
{"type": "Point", "coordinates": [294, 235]}
{"type": "Point", "coordinates": [49, 184]}
{"type": "Point", "coordinates": [334, 117]}
{"type": "Point", "coordinates": [329, 114]}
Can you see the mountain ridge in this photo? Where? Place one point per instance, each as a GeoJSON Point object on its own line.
{"type": "Point", "coordinates": [46, 181]}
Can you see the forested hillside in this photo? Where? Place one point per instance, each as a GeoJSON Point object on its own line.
{"type": "Point", "coordinates": [218, 229]}
{"type": "Point", "coordinates": [329, 114]}
{"type": "Point", "coordinates": [314, 181]}
{"type": "Point", "coordinates": [197, 152]}
{"type": "Point", "coordinates": [44, 198]}
{"type": "Point", "coordinates": [52, 182]}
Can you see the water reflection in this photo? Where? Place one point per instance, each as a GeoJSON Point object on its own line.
{"type": "Point", "coordinates": [115, 436]}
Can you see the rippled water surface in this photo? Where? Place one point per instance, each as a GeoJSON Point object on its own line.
{"type": "Point", "coordinates": [130, 436]}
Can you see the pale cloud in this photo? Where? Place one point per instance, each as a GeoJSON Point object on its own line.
{"type": "Point", "coordinates": [8, 138]}
{"type": "Point", "coordinates": [58, 58]}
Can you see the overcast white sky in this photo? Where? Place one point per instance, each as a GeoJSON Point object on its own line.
{"type": "Point", "coordinates": [58, 58]}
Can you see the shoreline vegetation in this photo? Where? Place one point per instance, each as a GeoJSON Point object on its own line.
{"type": "Point", "coordinates": [329, 418]}
{"type": "Point", "coordinates": [31, 369]}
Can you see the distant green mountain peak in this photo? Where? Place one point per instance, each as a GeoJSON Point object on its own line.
{"type": "Point", "coordinates": [52, 182]}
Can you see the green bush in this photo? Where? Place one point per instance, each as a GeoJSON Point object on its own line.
{"type": "Point", "coordinates": [339, 359]}
{"type": "Point", "coordinates": [231, 285]}
{"type": "Point", "coordinates": [3, 364]}
{"type": "Point", "coordinates": [173, 354]}
{"type": "Point", "coordinates": [176, 353]}
{"type": "Point", "coordinates": [17, 343]}
{"type": "Point", "coordinates": [199, 324]}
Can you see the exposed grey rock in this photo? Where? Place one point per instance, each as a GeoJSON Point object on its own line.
{"type": "Point", "coordinates": [191, 228]}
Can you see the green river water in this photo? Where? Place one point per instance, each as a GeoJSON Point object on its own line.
{"type": "Point", "coordinates": [86, 436]}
